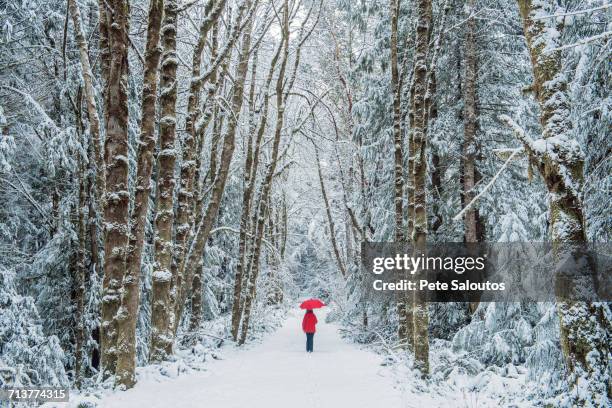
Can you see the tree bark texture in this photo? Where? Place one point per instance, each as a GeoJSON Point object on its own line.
{"type": "Point", "coordinates": [186, 195]}
{"type": "Point", "coordinates": [263, 211]}
{"type": "Point", "coordinates": [330, 220]}
{"type": "Point", "coordinates": [162, 313]}
{"type": "Point", "coordinates": [116, 159]}
{"type": "Point", "coordinates": [90, 97]}
{"type": "Point", "coordinates": [126, 359]}
{"type": "Point", "coordinates": [584, 326]}
{"type": "Point", "coordinates": [193, 260]}
{"type": "Point", "coordinates": [470, 127]}
{"type": "Point", "coordinates": [419, 125]}
{"type": "Point", "coordinates": [251, 168]}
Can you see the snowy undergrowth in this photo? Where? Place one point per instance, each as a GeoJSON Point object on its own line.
{"type": "Point", "coordinates": [28, 357]}
{"type": "Point", "coordinates": [193, 353]}
{"type": "Point", "coordinates": [488, 363]}
{"type": "Point", "coordinates": [460, 381]}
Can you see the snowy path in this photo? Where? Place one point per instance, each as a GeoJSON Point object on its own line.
{"type": "Point", "coordinates": [277, 373]}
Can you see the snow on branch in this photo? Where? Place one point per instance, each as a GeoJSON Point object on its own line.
{"type": "Point", "coordinates": [269, 245]}
{"type": "Point", "coordinates": [46, 119]}
{"type": "Point", "coordinates": [488, 186]}
{"type": "Point", "coordinates": [573, 13]}
{"type": "Point", "coordinates": [186, 6]}
{"type": "Point", "coordinates": [518, 132]}
{"type": "Point", "coordinates": [581, 42]}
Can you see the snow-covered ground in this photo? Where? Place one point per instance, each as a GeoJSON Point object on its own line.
{"type": "Point", "coordinates": [276, 373]}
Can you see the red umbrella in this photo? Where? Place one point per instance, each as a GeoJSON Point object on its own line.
{"type": "Point", "coordinates": [312, 304]}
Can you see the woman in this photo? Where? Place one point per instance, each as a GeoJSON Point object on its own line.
{"type": "Point", "coordinates": [309, 326]}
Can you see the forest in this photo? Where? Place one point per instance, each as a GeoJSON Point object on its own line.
{"type": "Point", "coordinates": [176, 174]}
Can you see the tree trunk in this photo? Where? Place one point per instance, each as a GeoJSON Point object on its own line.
{"type": "Point", "coordinates": [404, 326]}
{"type": "Point", "coordinates": [280, 237]}
{"type": "Point", "coordinates": [283, 89]}
{"type": "Point", "coordinates": [263, 210]}
{"type": "Point", "coordinates": [330, 220]}
{"type": "Point", "coordinates": [197, 297]}
{"type": "Point", "coordinates": [275, 294]}
{"type": "Point", "coordinates": [80, 271]}
{"type": "Point", "coordinates": [193, 260]}
{"type": "Point", "coordinates": [161, 303]}
{"type": "Point", "coordinates": [197, 198]}
{"type": "Point", "coordinates": [470, 127]}
{"type": "Point", "coordinates": [98, 169]}
{"type": "Point", "coordinates": [197, 294]}
{"type": "Point", "coordinates": [419, 136]}
{"type": "Point", "coordinates": [184, 282]}
{"type": "Point", "coordinates": [117, 195]}
{"type": "Point", "coordinates": [207, 116]}
{"type": "Point", "coordinates": [90, 96]}
{"type": "Point", "coordinates": [584, 327]}
{"type": "Point", "coordinates": [397, 129]}
{"type": "Point", "coordinates": [186, 196]}
{"type": "Point", "coordinates": [284, 227]}
{"type": "Point", "coordinates": [469, 173]}
{"type": "Point", "coordinates": [104, 23]}
{"type": "Point", "coordinates": [251, 168]}
{"type": "Point", "coordinates": [126, 358]}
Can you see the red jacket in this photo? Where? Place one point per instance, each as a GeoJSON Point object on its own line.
{"type": "Point", "coordinates": [309, 323]}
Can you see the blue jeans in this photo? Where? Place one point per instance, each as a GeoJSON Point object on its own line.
{"type": "Point", "coordinates": [309, 339]}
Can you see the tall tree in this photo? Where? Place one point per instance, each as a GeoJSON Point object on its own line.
{"type": "Point", "coordinates": [184, 277]}
{"type": "Point", "coordinates": [193, 259]}
{"type": "Point", "coordinates": [330, 220]}
{"type": "Point", "coordinates": [251, 168]}
{"type": "Point", "coordinates": [394, 7]}
{"type": "Point", "coordinates": [115, 64]}
{"type": "Point", "coordinates": [186, 194]}
{"type": "Point", "coordinates": [90, 96]}
{"type": "Point", "coordinates": [472, 225]}
{"type": "Point", "coordinates": [263, 211]}
{"type": "Point", "coordinates": [584, 326]}
{"type": "Point", "coordinates": [197, 197]}
{"type": "Point", "coordinates": [470, 127]}
{"type": "Point", "coordinates": [283, 89]}
{"type": "Point", "coordinates": [162, 313]}
{"type": "Point", "coordinates": [418, 129]}
{"type": "Point", "coordinates": [126, 343]}
{"type": "Point", "coordinates": [405, 325]}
